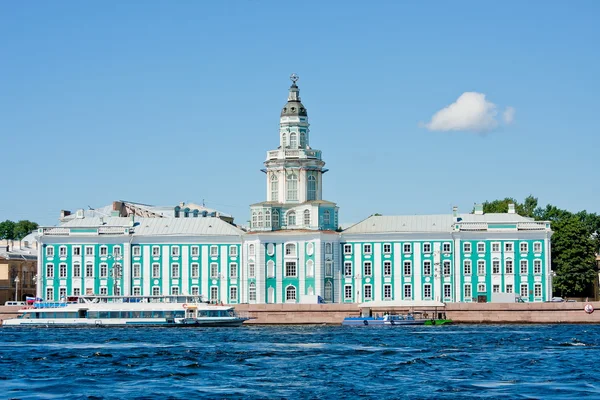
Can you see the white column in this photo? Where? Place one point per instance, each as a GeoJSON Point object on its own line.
{"type": "Point", "coordinates": [417, 272]}
{"type": "Point", "coordinates": [166, 274]}
{"type": "Point", "coordinates": [377, 270]}
{"type": "Point", "coordinates": [358, 269]}
{"type": "Point", "coordinates": [224, 278]}
{"type": "Point", "coordinates": [279, 298]}
{"type": "Point", "coordinates": [147, 273]}
{"type": "Point", "coordinates": [396, 272]}
{"type": "Point", "coordinates": [319, 267]}
{"type": "Point", "coordinates": [437, 272]}
{"type": "Point", "coordinates": [205, 271]}
{"type": "Point", "coordinates": [185, 269]}
{"type": "Point", "coordinates": [547, 260]}
{"type": "Point", "coordinates": [458, 293]}
{"type": "Point", "coordinates": [301, 269]}
{"type": "Point", "coordinates": [126, 269]}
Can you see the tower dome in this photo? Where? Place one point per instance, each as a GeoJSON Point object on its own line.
{"type": "Point", "coordinates": [294, 107]}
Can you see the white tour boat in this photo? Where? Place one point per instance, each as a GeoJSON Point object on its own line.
{"type": "Point", "coordinates": [125, 311]}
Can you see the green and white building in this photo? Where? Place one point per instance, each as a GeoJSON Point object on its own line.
{"type": "Point", "coordinates": [292, 251]}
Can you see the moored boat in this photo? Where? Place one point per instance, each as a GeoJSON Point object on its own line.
{"type": "Point", "coordinates": [126, 311]}
{"type": "Point", "coordinates": [394, 320]}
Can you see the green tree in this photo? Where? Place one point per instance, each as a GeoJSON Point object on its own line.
{"type": "Point", "coordinates": [526, 209]}
{"type": "Point", "coordinates": [7, 230]}
{"type": "Point", "coordinates": [573, 256]}
{"type": "Point", "coordinates": [24, 228]}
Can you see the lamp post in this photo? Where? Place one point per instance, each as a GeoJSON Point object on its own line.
{"type": "Point", "coordinates": [17, 280]}
{"type": "Point", "coordinates": [115, 271]}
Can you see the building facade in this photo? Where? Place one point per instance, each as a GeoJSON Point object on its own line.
{"type": "Point", "coordinates": [293, 251]}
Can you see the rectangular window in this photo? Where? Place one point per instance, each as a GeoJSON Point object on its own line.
{"type": "Point", "coordinates": [509, 288]}
{"type": "Point", "coordinates": [49, 251]}
{"type": "Point", "coordinates": [103, 291]}
{"type": "Point", "coordinates": [481, 247]}
{"type": "Point", "coordinates": [137, 270]}
{"type": "Point", "coordinates": [347, 249]}
{"type": "Point", "coordinates": [136, 251]}
{"type": "Point", "coordinates": [50, 294]}
{"type": "Point", "coordinates": [348, 292]}
{"type": "Point", "coordinates": [523, 247]}
{"type": "Point", "coordinates": [175, 251]}
{"type": "Point", "coordinates": [447, 291]}
{"type": "Point", "coordinates": [524, 267]}
{"type": "Point", "coordinates": [537, 247]}
{"type": "Point", "coordinates": [508, 247]}
{"type": "Point", "coordinates": [537, 290]}
{"type": "Point", "coordinates": [103, 251]}
{"type": "Point", "coordinates": [251, 270]}
{"type": "Point", "coordinates": [89, 270]}
{"type": "Point", "coordinates": [537, 266]}
{"type": "Point", "coordinates": [367, 249]}
{"type": "Point", "coordinates": [103, 270]}
{"type": "Point", "coordinates": [233, 294]}
{"type": "Point", "coordinates": [233, 251]}
{"type": "Point", "coordinates": [367, 268]}
{"type": "Point", "coordinates": [467, 247]}
{"type": "Point", "coordinates": [407, 268]}
{"type": "Point", "coordinates": [195, 270]}
{"type": "Point", "coordinates": [76, 250]}
{"type": "Point", "coordinates": [156, 270]}
{"type": "Point", "coordinates": [481, 288]}
{"type": "Point", "coordinates": [496, 288]}
{"type": "Point", "coordinates": [468, 293]}
{"type": "Point", "coordinates": [89, 250]}
{"type": "Point", "coordinates": [447, 269]}
{"type": "Point", "coordinates": [508, 266]}
{"type": "Point", "coordinates": [368, 293]}
{"type": "Point", "coordinates": [427, 291]}
{"type": "Point", "coordinates": [328, 268]}
{"type": "Point", "coordinates": [290, 268]}
{"type": "Point", "coordinates": [480, 267]}
{"type": "Point", "coordinates": [62, 271]}
{"type": "Point", "coordinates": [155, 251]}
{"type": "Point", "coordinates": [76, 291]}
{"type": "Point", "coordinates": [427, 267]}
{"type": "Point", "coordinates": [467, 267]}
{"type": "Point", "coordinates": [446, 248]}
{"type": "Point", "coordinates": [426, 247]}
{"type": "Point", "coordinates": [387, 268]}
{"type": "Point", "coordinates": [214, 270]}
{"type": "Point", "coordinates": [195, 291]}
{"type": "Point", "coordinates": [49, 271]}
{"type": "Point", "coordinates": [387, 248]}
{"type": "Point", "coordinates": [387, 292]}
{"type": "Point", "coordinates": [348, 269]}
{"type": "Point", "coordinates": [233, 268]}
{"type": "Point", "coordinates": [116, 251]}
{"type": "Point", "coordinates": [76, 270]}
{"type": "Point", "coordinates": [137, 291]}
{"type": "Point", "coordinates": [495, 266]}
{"type": "Point", "coordinates": [174, 290]}
{"type": "Point", "coordinates": [496, 247]}
{"type": "Point", "coordinates": [195, 251]}
{"type": "Point", "coordinates": [214, 251]}
{"type": "Point", "coordinates": [407, 248]}
{"type": "Point", "coordinates": [407, 291]}
{"type": "Point", "coordinates": [155, 291]}
{"type": "Point", "coordinates": [524, 290]}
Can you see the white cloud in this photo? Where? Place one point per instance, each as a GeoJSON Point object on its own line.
{"type": "Point", "coordinates": [470, 112]}
{"type": "Point", "coordinates": [509, 115]}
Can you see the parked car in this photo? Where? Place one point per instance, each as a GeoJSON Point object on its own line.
{"type": "Point", "coordinates": [557, 300]}
{"type": "Point", "coordinates": [14, 303]}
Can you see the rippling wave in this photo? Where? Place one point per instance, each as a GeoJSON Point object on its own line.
{"type": "Point", "coordinates": [307, 362]}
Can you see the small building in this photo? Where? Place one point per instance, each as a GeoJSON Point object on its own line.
{"type": "Point", "coordinates": [18, 259]}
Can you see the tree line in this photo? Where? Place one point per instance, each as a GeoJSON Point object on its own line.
{"type": "Point", "coordinates": [575, 243]}
{"type": "Point", "coordinates": [10, 230]}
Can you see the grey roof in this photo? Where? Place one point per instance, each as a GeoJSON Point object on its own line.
{"type": "Point", "coordinates": [294, 107]}
{"type": "Point", "coordinates": [163, 226]}
{"type": "Point", "coordinates": [425, 223]}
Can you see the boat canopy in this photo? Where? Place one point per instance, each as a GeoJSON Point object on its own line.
{"type": "Point", "coordinates": [401, 303]}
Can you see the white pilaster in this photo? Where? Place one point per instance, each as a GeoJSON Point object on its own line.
{"type": "Point", "coordinates": [146, 272]}
{"type": "Point", "coordinates": [185, 270]}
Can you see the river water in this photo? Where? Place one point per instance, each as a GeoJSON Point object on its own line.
{"type": "Point", "coordinates": [460, 361]}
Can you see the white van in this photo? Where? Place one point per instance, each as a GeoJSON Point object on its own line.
{"type": "Point", "coordinates": [15, 303]}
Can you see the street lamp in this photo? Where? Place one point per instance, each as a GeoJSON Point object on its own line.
{"type": "Point", "coordinates": [17, 280]}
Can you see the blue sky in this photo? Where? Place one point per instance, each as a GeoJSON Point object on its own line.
{"type": "Point", "coordinates": [160, 102]}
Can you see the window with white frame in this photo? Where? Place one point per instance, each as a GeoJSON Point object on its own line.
{"type": "Point", "coordinates": [214, 251]}
{"type": "Point", "coordinates": [326, 217]}
{"type": "Point", "coordinates": [508, 247]}
{"type": "Point", "coordinates": [427, 291]}
{"type": "Point", "coordinates": [387, 268]}
{"type": "Point", "coordinates": [270, 269]}
{"type": "Point", "coordinates": [155, 291]}
{"type": "Point", "coordinates": [508, 267]}
{"type": "Point", "coordinates": [251, 250]}
{"type": "Point", "coordinates": [310, 268]}
{"type": "Point", "coordinates": [537, 290]}
{"type": "Point", "coordinates": [137, 270]}
{"type": "Point", "coordinates": [367, 249]}
{"type": "Point", "coordinates": [260, 220]}
{"type": "Point", "coordinates": [76, 250]}
{"type": "Point", "coordinates": [495, 266]}
{"type": "Point", "coordinates": [328, 268]}
{"type": "Point", "coordinates": [174, 270]}
{"type": "Point", "coordinates": [175, 251]}
{"type": "Point", "coordinates": [103, 251]}
{"type": "Point", "coordinates": [290, 249]}
{"type": "Point", "coordinates": [481, 247]}
{"type": "Point", "coordinates": [387, 248]}
{"type": "Point", "coordinates": [116, 251]}
{"type": "Point", "coordinates": [62, 271]}
{"type": "Point", "coordinates": [524, 267]}
{"type": "Point", "coordinates": [467, 267]}
{"type": "Point", "coordinates": [408, 291]}
{"type": "Point", "coordinates": [175, 290]}
{"type": "Point", "coordinates": [195, 270]}
{"type": "Point", "coordinates": [387, 292]}
{"type": "Point", "coordinates": [426, 247]}
{"type": "Point", "coordinates": [447, 291]}
{"type": "Point", "coordinates": [195, 291]}
{"type": "Point", "coordinates": [233, 270]}
{"type": "Point", "coordinates": [268, 219]}
{"type": "Point", "coordinates": [468, 293]}
{"type": "Point", "coordinates": [49, 251]}
{"type": "Point", "coordinates": [50, 293]}
{"type": "Point", "coordinates": [274, 188]}
{"type": "Point", "coordinates": [156, 270]}
{"type": "Point", "coordinates": [233, 294]}
{"type": "Point", "coordinates": [76, 291]}
{"type": "Point", "coordinates": [291, 218]}
{"type": "Point", "coordinates": [407, 248]}
{"type": "Point", "coordinates": [290, 293]}
{"type": "Point", "coordinates": [290, 268]}
{"type": "Point", "coordinates": [480, 267]}
{"type": "Point", "coordinates": [275, 219]}
{"type": "Point", "coordinates": [103, 291]}
{"type": "Point", "coordinates": [447, 270]}
{"type": "Point", "coordinates": [233, 251]}
{"type": "Point", "coordinates": [481, 288]}
{"type": "Point", "coordinates": [136, 251]}
{"type": "Point", "coordinates": [49, 270]}
{"type": "Point", "coordinates": [348, 292]}
{"type": "Point", "coordinates": [347, 249]}
{"type": "Point", "coordinates": [509, 288]}
{"type": "Point", "coordinates": [537, 266]}
{"type": "Point", "coordinates": [495, 288]}
{"type": "Point", "coordinates": [251, 270]}
{"type": "Point", "coordinates": [368, 292]}
{"type": "Point", "coordinates": [103, 270]}
{"type": "Point", "coordinates": [89, 250]}
{"type": "Point", "coordinates": [467, 247]}
{"type": "Point", "coordinates": [311, 193]}
{"type": "Point", "coordinates": [328, 248]}
{"type": "Point", "coordinates": [348, 269]}
{"type": "Point", "coordinates": [155, 251]}
{"type": "Point", "coordinates": [537, 247]}
{"type": "Point", "coordinates": [328, 291]}
{"type": "Point", "coordinates": [426, 267]}
{"type": "Point", "coordinates": [407, 268]}
{"type": "Point", "coordinates": [195, 251]}
{"type": "Point", "coordinates": [214, 270]}
{"type": "Point", "coordinates": [89, 270]}
{"type": "Point", "coordinates": [496, 247]}
{"type": "Point", "coordinates": [446, 247]}
{"type": "Point", "coordinates": [292, 187]}
{"type": "Point", "coordinates": [252, 292]}
{"type": "Point", "coordinates": [367, 270]}
{"type": "Point", "coordinates": [76, 270]}
{"type": "Point", "coordinates": [62, 251]}
{"type": "Point", "coordinates": [524, 290]}
{"type": "Point", "coordinates": [137, 291]}
{"type": "Point", "coordinates": [306, 218]}
{"type": "Point", "coordinates": [523, 247]}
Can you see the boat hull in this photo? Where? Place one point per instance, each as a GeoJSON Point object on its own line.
{"type": "Point", "coordinates": [382, 322]}
{"type": "Point", "coordinates": [122, 323]}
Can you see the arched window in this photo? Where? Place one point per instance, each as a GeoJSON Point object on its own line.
{"type": "Point", "coordinates": [270, 269]}
{"type": "Point", "coordinates": [260, 219]}
{"type": "Point", "coordinates": [254, 219]}
{"type": "Point", "coordinates": [327, 248]}
{"type": "Point", "coordinates": [291, 218]}
{"type": "Point", "coordinates": [274, 188]}
{"type": "Point", "coordinates": [275, 219]}
{"type": "Point", "coordinates": [290, 249]}
{"type": "Point", "coordinates": [290, 294]}
{"type": "Point", "coordinates": [328, 291]}
{"type": "Point", "coordinates": [302, 140]}
{"type": "Point", "coordinates": [252, 292]}
{"type": "Point", "coordinates": [306, 218]}
{"type": "Point", "coordinates": [267, 219]}
{"type": "Point", "coordinates": [326, 217]}
{"type": "Point", "coordinates": [283, 140]}
{"type": "Point", "coordinates": [310, 268]}
{"type": "Point", "coordinates": [251, 249]}
{"type": "Point", "coordinates": [293, 141]}
{"type": "Point", "coordinates": [292, 187]}
{"type": "Point", "coordinates": [311, 193]}
{"type": "Point", "coordinates": [177, 209]}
